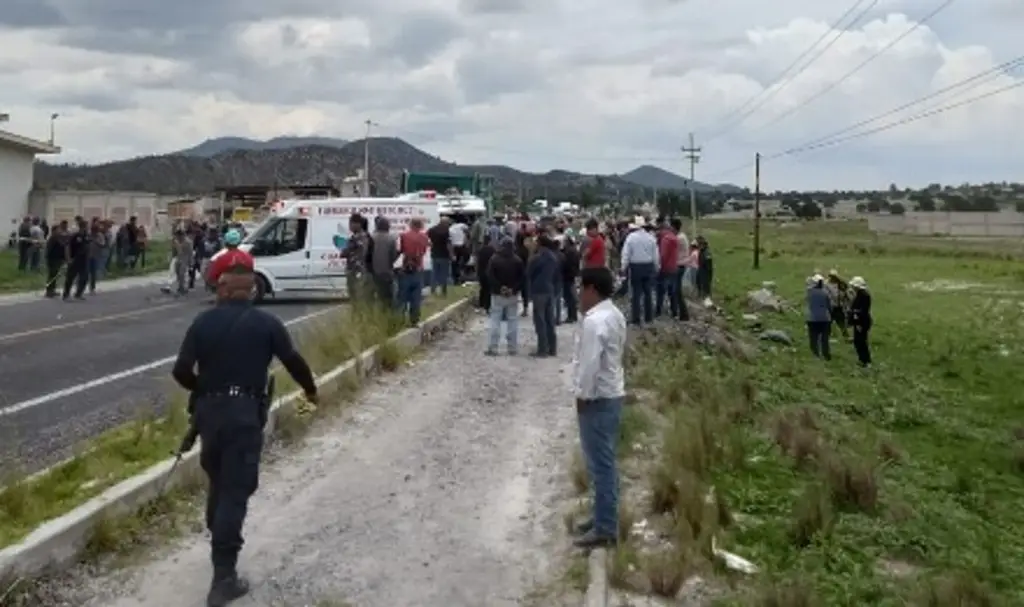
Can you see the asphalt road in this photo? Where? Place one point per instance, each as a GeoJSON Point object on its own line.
{"type": "Point", "coordinates": [71, 370]}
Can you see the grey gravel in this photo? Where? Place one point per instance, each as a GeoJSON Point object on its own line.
{"type": "Point", "coordinates": [440, 487]}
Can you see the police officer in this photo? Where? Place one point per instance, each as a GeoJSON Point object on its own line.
{"type": "Point", "coordinates": [232, 344]}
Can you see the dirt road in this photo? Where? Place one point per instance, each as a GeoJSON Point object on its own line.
{"type": "Point", "coordinates": [440, 487]}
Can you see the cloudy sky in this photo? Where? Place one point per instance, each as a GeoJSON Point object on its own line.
{"type": "Point", "coordinates": [588, 85]}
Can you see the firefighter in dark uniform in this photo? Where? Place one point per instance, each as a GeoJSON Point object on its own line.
{"type": "Point", "coordinates": [233, 344]}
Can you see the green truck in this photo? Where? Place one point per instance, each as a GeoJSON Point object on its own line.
{"type": "Point", "coordinates": [476, 184]}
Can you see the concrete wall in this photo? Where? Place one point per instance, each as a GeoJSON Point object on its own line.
{"type": "Point", "coordinates": [1006, 224]}
{"type": "Point", "coordinates": [16, 168]}
{"type": "Point", "coordinates": [151, 209]}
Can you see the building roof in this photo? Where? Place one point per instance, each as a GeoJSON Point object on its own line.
{"type": "Point", "coordinates": [26, 144]}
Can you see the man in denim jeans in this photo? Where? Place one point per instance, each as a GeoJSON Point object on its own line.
{"type": "Point", "coordinates": [440, 256]}
{"type": "Point", "coordinates": [599, 388]}
{"type": "Point", "coordinates": [505, 276]}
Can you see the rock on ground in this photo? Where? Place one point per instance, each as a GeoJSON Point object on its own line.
{"type": "Point", "coordinates": [440, 486]}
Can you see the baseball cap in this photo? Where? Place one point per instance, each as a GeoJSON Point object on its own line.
{"type": "Point", "coordinates": [233, 238]}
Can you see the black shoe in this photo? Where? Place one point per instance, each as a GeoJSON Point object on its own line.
{"type": "Point", "coordinates": [583, 528]}
{"type": "Point", "coordinates": [490, 352]}
{"type": "Point", "coordinates": [225, 590]}
{"type": "Point", "coordinates": [592, 540]}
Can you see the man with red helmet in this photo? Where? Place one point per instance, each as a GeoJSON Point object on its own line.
{"type": "Point", "coordinates": [232, 256]}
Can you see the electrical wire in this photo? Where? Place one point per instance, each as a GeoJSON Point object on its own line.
{"type": "Point", "coordinates": [828, 88]}
{"type": "Point", "coordinates": [897, 123]}
{"type": "Point", "coordinates": [818, 144]}
{"type": "Point", "coordinates": [977, 79]}
{"type": "Point", "coordinates": [738, 115]}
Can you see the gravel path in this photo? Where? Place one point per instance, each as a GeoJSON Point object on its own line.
{"type": "Point", "coordinates": [441, 487]}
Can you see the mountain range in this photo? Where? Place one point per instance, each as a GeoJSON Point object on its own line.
{"type": "Point", "coordinates": [237, 161]}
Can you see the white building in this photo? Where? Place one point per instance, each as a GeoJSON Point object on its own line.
{"type": "Point", "coordinates": [17, 159]}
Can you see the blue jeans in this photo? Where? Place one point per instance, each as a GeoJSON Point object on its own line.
{"type": "Point", "coordinates": [599, 433]}
{"type": "Point", "coordinates": [503, 309]}
{"type": "Point", "coordinates": [440, 275]}
{"type": "Point", "coordinates": [667, 287]}
{"type": "Point", "coordinates": [544, 323]}
{"type": "Point", "coordinates": [410, 295]}
{"type": "Point", "coordinates": [641, 291]}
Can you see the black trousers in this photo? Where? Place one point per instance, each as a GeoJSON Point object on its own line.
{"type": "Point", "coordinates": [53, 267]}
{"type": "Point", "coordinates": [77, 276]}
{"type": "Point", "coordinates": [384, 287]}
{"type": "Point", "coordinates": [231, 431]}
{"type": "Point", "coordinates": [861, 344]}
{"type": "Point", "coordinates": [484, 299]}
{"type": "Point", "coordinates": [819, 333]}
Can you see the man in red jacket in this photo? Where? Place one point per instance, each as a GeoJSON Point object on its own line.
{"type": "Point", "coordinates": [667, 285]}
{"type": "Point", "coordinates": [412, 248]}
{"type": "Point", "coordinates": [232, 256]}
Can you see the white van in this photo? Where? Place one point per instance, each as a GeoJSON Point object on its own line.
{"type": "Point", "coordinates": [298, 248]}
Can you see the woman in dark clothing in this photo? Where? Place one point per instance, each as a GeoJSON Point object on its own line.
{"type": "Point", "coordinates": [570, 271]}
{"type": "Point", "coordinates": [483, 258]}
{"type": "Point", "coordinates": [860, 320]}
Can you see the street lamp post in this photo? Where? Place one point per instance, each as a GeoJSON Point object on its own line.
{"type": "Point", "coordinates": [53, 121]}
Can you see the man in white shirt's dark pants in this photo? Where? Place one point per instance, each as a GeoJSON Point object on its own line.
{"type": "Point", "coordinates": [599, 389]}
{"type": "Point", "coordinates": [641, 262]}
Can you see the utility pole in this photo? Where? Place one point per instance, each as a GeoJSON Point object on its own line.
{"type": "Point", "coordinates": [692, 153]}
{"type": "Point", "coordinates": [53, 121]}
{"type": "Point", "coordinates": [366, 157]}
{"type": "Point", "coordinates": [757, 211]}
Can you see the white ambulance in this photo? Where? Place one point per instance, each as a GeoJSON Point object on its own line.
{"type": "Point", "coordinates": [298, 247]}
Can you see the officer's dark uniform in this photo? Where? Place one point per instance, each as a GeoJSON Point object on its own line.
{"type": "Point", "coordinates": [233, 345]}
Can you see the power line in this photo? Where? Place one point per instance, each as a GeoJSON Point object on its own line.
{"type": "Point", "coordinates": [825, 142]}
{"type": "Point", "coordinates": [784, 78]}
{"type": "Point", "coordinates": [828, 88]}
{"type": "Point", "coordinates": [897, 123]}
{"type": "Point", "coordinates": [977, 79]}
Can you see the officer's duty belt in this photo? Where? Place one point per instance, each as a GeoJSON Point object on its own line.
{"type": "Point", "coordinates": [235, 391]}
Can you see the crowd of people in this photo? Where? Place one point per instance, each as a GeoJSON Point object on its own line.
{"type": "Point", "coordinates": [538, 263]}
{"type": "Point", "coordinates": [85, 250]}
{"type": "Point", "coordinates": [832, 301]}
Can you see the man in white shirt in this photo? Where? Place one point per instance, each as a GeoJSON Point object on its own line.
{"type": "Point", "coordinates": [641, 262]}
{"type": "Point", "coordinates": [459, 232]}
{"type": "Point", "coordinates": [599, 389]}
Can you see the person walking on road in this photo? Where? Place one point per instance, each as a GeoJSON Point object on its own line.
{"type": "Point", "coordinates": [77, 258]}
{"type": "Point", "coordinates": [819, 317]}
{"type": "Point", "coordinates": [641, 262]}
{"type": "Point", "coordinates": [483, 257]}
{"type": "Point", "coordinates": [542, 272]}
{"type": "Point", "coordinates": [860, 320]}
{"type": "Point", "coordinates": [599, 390]}
{"type": "Point", "coordinates": [56, 255]}
{"type": "Point", "coordinates": [182, 249]}
{"type": "Point", "coordinates": [232, 345]}
{"type": "Point", "coordinates": [506, 274]}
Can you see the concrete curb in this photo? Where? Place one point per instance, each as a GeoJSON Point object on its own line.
{"type": "Point", "coordinates": [57, 543]}
{"type": "Point", "coordinates": [117, 284]}
{"type": "Point", "coordinates": [597, 579]}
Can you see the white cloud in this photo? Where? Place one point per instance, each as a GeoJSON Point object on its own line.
{"type": "Point", "coordinates": [589, 85]}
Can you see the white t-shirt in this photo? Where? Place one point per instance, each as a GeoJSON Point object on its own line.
{"type": "Point", "coordinates": [458, 232]}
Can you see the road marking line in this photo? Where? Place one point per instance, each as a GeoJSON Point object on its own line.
{"type": "Point", "coordinates": [113, 377]}
{"type": "Point", "coordinates": [86, 321]}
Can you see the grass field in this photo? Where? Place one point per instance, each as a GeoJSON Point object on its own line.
{"type": "Point", "coordinates": [11, 280]}
{"type": "Point", "coordinates": [906, 480]}
{"type": "Point", "coordinates": [899, 485]}
{"type": "Point", "coordinates": [130, 449]}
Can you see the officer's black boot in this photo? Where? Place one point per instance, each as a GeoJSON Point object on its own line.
{"type": "Point", "coordinates": [226, 587]}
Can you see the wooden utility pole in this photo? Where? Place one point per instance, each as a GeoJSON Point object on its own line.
{"type": "Point", "coordinates": [692, 153]}
{"type": "Point", "coordinates": [757, 211]}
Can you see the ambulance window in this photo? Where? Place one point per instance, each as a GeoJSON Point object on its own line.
{"type": "Point", "coordinates": [281, 237]}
